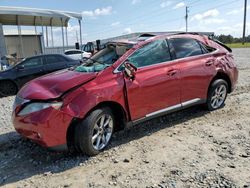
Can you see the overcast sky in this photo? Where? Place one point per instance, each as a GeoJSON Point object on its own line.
{"type": "Point", "coordinates": [107, 18]}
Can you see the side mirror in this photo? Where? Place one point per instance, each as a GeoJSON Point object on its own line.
{"type": "Point", "coordinates": [20, 67]}
{"type": "Point", "coordinates": [130, 70]}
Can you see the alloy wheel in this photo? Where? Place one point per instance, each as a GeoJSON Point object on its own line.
{"type": "Point", "coordinates": [102, 131]}
{"type": "Point", "coordinates": [218, 96]}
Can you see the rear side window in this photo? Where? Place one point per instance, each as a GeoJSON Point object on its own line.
{"type": "Point", "coordinates": [206, 49]}
{"type": "Point", "coordinates": [185, 47]}
{"type": "Point", "coordinates": [54, 59]}
{"type": "Point", "coordinates": [153, 53]}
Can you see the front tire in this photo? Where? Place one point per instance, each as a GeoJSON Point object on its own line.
{"type": "Point", "coordinates": [94, 133]}
{"type": "Point", "coordinates": [217, 94]}
{"type": "Point", "coordinates": [8, 88]}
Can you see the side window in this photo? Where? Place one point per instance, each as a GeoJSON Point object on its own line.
{"type": "Point", "coordinates": [33, 62]}
{"type": "Point", "coordinates": [206, 49]}
{"type": "Point", "coordinates": [185, 47]}
{"type": "Point", "coordinates": [54, 59]}
{"type": "Point", "coordinates": [153, 53]}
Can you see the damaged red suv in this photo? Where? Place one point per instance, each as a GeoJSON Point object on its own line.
{"type": "Point", "coordinates": [126, 83]}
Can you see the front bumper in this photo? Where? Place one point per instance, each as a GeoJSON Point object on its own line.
{"type": "Point", "coordinates": [47, 127]}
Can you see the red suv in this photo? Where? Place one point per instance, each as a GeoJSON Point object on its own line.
{"type": "Point", "coordinates": [126, 83]}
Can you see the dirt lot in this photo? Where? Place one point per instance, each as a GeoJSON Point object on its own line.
{"type": "Point", "coordinates": [191, 148]}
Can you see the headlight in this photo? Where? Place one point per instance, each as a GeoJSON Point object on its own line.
{"type": "Point", "coordinates": [38, 106]}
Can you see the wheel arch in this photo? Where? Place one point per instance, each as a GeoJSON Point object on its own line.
{"type": "Point", "coordinates": [224, 76]}
{"type": "Point", "coordinates": [117, 109]}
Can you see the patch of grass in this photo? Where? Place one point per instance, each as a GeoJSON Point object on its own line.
{"type": "Point", "coordinates": [239, 45]}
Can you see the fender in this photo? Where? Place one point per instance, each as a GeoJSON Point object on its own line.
{"type": "Point", "coordinates": [81, 101]}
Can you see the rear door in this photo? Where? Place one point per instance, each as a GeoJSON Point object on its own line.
{"type": "Point", "coordinates": [54, 63]}
{"type": "Point", "coordinates": [196, 69]}
{"type": "Point", "coordinates": [29, 69]}
{"type": "Point", "coordinates": [156, 87]}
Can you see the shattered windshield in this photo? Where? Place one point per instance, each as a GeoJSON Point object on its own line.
{"type": "Point", "coordinates": [103, 58]}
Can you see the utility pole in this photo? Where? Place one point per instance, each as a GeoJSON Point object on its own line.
{"type": "Point", "coordinates": [244, 22]}
{"type": "Point", "coordinates": [186, 18]}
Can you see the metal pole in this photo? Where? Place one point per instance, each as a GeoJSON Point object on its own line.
{"type": "Point", "coordinates": [51, 30]}
{"type": "Point", "coordinates": [43, 45]}
{"type": "Point", "coordinates": [47, 38]}
{"type": "Point", "coordinates": [244, 22]}
{"type": "Point", "coordinates": [77, 40]}
{"type": "Point", "coordinates": [80, 26]}
{"type": "Point", "coordinates": [36, 35]}
{"type": "Point", "coordinates": [63, 35]}
{"type": "Point", "coordinates": [186, 18]}
{"type": "Point", "coordinates": [20, 37]}
{"type": "Point", "coordinates": [67, 42]}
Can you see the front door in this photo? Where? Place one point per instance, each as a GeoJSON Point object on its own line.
{"type": "Point", "coordinates": [156, 86]}
{"type": "Point", "coordinates": [29, 69]}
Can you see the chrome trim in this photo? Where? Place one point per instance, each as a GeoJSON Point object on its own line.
{"type": "Point", "coordinates": [164, 110]}
{"type": "Point", "coordinates": [178, 106]}
{"type": "Point", "coordinates": [187, 103]}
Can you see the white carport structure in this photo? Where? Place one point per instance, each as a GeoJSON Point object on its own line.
{"type": "Point", "coordinates": [21, 16]}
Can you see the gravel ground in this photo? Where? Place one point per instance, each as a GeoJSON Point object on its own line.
{"type": "Point", "coordinates": [191, 148]}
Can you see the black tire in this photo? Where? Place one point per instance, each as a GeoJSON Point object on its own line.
{"type": "Point", "coordinates": [86, 130]}
{"type": "Point", "coordinates": [8, 88]}
{"type": "Point", "coordinates": [212, 96]}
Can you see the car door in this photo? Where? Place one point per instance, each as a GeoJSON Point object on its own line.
{"type": "Point", "coordinates": [156, 86]}
{"type": "Point", "coordinates": [29, 69]}
{"type": "Point", "coordinates": [196, 69]}
{"type": "Point", "coordinates": [54, 63]}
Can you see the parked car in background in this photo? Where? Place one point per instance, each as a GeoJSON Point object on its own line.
{"type": "Point", "coordinates": [126, 83]}
{"type": "Point", "coordinates": [77, 54]}
{"type": "Point", "coordinates": [12, 79]}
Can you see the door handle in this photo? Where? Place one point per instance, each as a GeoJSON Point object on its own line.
{"type": "Point", "coordinates": [171, 72]}
{"type": "Point", "coordinates": [209, 63]}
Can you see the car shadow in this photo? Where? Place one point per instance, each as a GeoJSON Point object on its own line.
{"type": "Point", "coordinates": [21, 159]}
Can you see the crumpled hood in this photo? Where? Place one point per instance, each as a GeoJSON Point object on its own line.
{"type": "Point", "coordinates": [54, 85]}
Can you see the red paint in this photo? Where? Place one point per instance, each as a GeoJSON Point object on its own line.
{"type": "Point", "coordinates": [53, 85]}
{"type": "Point", "coordinates": [154, 88]}
{"type": "Point", "coordinates": [51, 125]}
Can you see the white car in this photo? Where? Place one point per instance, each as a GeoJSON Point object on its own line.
{"type": "Point", "coordinates": [76, 54]}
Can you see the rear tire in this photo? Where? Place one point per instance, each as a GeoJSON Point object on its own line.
{"type": "Point", "coordinates": [217, 94]}
{"type": "Point", "coordinates": [94, 133]}
{"type": "Point", "coordinates": [8, 88]}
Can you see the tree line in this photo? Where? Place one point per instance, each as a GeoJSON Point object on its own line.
{"type": "Point", "coordinates": [228, 39]}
